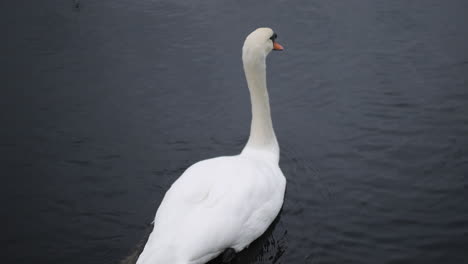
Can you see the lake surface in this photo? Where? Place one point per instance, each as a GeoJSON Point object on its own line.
{"type": "Point", "coordinates": [105, 103]}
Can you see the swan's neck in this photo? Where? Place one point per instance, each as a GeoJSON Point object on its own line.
{"type": "Point", "coordinates": [262, 137]}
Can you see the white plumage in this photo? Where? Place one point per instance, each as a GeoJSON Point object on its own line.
{"type": "Point", "coordinates": [224, 202]}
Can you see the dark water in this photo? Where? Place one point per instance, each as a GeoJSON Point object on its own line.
{"type": "Point", "coordinates": [105, 103]}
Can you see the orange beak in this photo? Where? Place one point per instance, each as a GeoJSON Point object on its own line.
{"type": "Point", "coordinates": [277, 46]}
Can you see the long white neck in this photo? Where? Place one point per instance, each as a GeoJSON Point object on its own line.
{"type": "Point", "coordinates": [262, 139]}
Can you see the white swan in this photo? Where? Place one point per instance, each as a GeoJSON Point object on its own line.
{"type": "Point", "coordinates": [225, 202]}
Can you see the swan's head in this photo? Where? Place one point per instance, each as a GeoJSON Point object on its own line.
{"type": "Point", "coordinates": [260, 43]}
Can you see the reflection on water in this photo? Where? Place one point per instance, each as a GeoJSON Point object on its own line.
{"type": "Point", "coordinates": [106, 103]}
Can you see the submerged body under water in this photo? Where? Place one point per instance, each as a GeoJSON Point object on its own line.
{"type": "Point", "coordinates": [107, 103]}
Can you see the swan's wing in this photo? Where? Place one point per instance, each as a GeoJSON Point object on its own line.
{"type": "Point", "coordinates": [218, 203]}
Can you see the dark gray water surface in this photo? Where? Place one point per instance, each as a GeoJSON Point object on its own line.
{"type": "Point", "coordinates": [105, 103]}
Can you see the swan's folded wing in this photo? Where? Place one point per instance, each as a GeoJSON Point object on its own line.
{"type": "Point", "coordinates": [212, 203]}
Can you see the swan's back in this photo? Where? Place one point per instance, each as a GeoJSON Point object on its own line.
{"type": "Point", "coordinates": [220, 203]}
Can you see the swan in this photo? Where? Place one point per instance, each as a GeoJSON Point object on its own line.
{"type": "Point", "coordinates": [223, 204]}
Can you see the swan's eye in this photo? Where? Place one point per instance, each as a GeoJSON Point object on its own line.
{"type": "Point", "coordinates": [273, 37]}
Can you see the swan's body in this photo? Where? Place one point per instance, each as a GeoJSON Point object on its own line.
{"type": "Point", "coordinates": [225, 202]}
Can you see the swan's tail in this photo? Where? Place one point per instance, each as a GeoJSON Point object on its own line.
{"type": "Point", "coordinates": [160, 255]}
